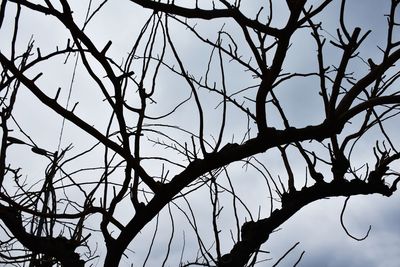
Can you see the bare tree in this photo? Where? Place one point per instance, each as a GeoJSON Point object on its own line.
{"type": "Point", "coordinates": [202, 101]}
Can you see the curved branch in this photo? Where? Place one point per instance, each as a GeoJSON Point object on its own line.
{"type": "Point", "coordinates": [344, 227]}
{"type": "Point", "coordinates": [370, 103]}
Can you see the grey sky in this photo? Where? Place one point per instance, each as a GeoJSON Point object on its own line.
{"type": "Point", "coordinates": [317, 226]}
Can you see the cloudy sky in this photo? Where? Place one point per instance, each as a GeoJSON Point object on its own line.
{"type": "Point", "coordinates": [317, 226]}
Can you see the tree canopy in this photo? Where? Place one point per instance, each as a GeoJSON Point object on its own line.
{"type": "Point", "coordinates": [188, 131]}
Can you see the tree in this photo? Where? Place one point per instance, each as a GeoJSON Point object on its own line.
{"type": "Point", "coordinates": [194, 112]}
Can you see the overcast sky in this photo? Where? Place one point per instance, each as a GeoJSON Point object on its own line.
{"type": "Point", "coordinates": [316, 227]}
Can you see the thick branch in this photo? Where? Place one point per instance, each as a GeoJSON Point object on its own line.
{"type": "Point", "coordinates": [198, 13]}
{"type": "Point", "coordinates": [228, 154]}
{"type": "Point", "coordinates": [59, 247]}
{"type": "Point", "coordinates": [254, 234]}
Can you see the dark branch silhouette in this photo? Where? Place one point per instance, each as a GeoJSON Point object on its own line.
{"type": "Point", "coordinates": [146, 164]}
